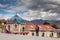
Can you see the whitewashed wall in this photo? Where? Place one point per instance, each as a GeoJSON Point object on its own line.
{"type": "Point", "coordinates": [54, 34]}
{"type": "Point", "coordinates": [46, 34]}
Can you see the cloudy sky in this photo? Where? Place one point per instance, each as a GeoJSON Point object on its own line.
{"type": "Point", "coordinates": [30, 9]}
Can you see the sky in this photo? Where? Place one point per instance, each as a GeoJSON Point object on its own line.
{"type": "Point", "coordinates": [30, 9]}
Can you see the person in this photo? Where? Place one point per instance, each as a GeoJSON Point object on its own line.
{"type": "Point", "coordinates": [43, 34]}
{"type": "Point", "coordinates": [37, 30]}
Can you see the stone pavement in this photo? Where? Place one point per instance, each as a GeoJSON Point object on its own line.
{"type": "Point", "coordinates": [21, 37]}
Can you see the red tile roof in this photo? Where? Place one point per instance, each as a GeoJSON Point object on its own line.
{"type": "Point", "coordinates": [13, 23]}
{"type": "Point", "coordinates": [41, 27]}
{"type": "Point", "coordinates": [10, 23]}
{"type": "Point", "coordinates": [30, 26]}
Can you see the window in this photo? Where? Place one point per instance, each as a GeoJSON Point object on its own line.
{"type": "Point", "coordinates": [23, 28]}
{"type": "Point", "coordinates": [15, 25]}
{"type": "Point", "coordinates": [43, 34]}
{"type": "Point", "coordinates": [59, 33]}
{"type": "Point", "coordinates": [32, 33]}
{"type": "Point", "coordinates": [51, 35]}
{"type": "Point", "coordinates": [9, 27]}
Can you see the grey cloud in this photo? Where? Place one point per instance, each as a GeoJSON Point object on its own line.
{"type": "Point", "coordinates": [46, 5]}
{"type": "Point", "coordinates": [51, 18]}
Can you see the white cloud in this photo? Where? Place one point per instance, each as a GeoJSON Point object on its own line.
{"type": "Point", "coordinates": [2, 5]}
{"type": "Point", "coordinates": [58, 19]}
{"type": "Point", "coordinates": [56, 1]}
{"type": "Point", "coordinates": [18, 8]}
{"type": "Point", "coordinates": [53, 14]}
{"type": "Point", "coordinates": [9, 11]}
{"type": "Point", "coordinates": [1, 16]}
{"type": "Point", "coordinates": [8, 16]}
{"type": "Point", "coordinates": [49, 16]}
{"type": "Point", "coordinates": [32, 15]}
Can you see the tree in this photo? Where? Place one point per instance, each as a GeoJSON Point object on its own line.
{"type": "Point", "coordinates": [54, 26]}
{"type": "Point", "coordinates": [46, 23]}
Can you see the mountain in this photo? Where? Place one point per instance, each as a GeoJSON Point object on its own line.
{"type": "Point", "coordinates": [40, 21]}
{"type": "Point", "coordinates": [35, 21]}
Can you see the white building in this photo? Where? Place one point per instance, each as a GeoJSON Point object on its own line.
{"type": "Point", "coordinates": [16, 27]}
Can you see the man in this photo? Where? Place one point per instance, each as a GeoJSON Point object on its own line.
{"type": "Point", "coordinates": [37, 30]}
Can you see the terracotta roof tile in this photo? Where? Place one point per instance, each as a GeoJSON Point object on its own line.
{"type": "Point", "coordinates": [10, 23]}
{"type": "Point", "coordinates": [41, 27]}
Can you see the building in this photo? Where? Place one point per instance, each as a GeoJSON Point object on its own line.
{"type": "Point", "coordinates": [44, 30]}
{"type": "Point", "coordinates": [16, 26]}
